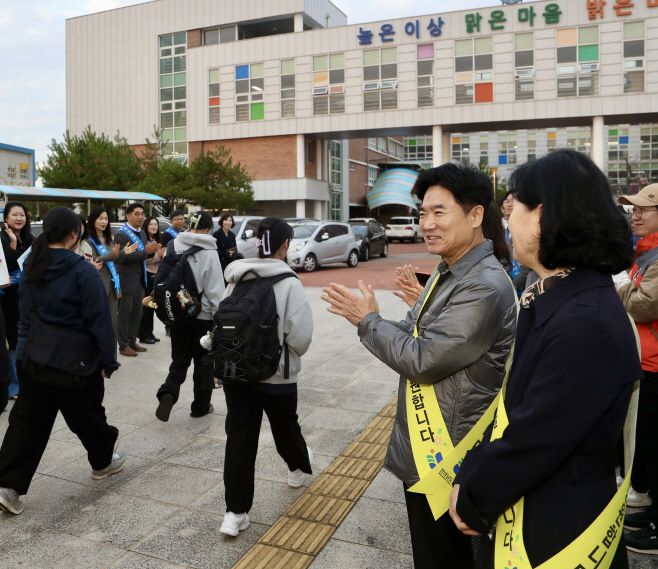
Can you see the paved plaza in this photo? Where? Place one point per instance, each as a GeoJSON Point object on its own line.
{"type": "Point", "coordinates": [164, 510]}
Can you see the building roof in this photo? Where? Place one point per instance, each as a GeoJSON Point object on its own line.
{"type": "Point", "coordinates": [393, 187]}
{"type": "Point", "coordinates": [57, 194]}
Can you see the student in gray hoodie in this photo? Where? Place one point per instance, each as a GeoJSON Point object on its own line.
{"type": "Point", "coordinates": [185, 345]}
{"type": "Point", "coordinates": [277, 396]}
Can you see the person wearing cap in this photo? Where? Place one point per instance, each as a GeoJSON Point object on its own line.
{"type": "Point", "coordinates": [185, 346]}
{"type": "Point", "coordinates": [277, 395]}
{"type": "Point", "coordinates": [640, 298]}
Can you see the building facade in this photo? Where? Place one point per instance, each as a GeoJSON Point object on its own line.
{"type": "Point", "coordinates": [294, 91]}
{"type": "Point", "coordinates": [17, 166]}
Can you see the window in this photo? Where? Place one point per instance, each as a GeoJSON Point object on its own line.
{"type": "Point", "coordinates": [309, 151]}
{"type": "Point", "coordinates": [649, 152]}
{"type": "Point", "coordinates": [461, 149]}
{"type": "Point", "coordinates": [288, 88]}
{"type": "Point", "coordinates": [10, 170]}
{"type": "Point", "coordinates": [173, 95]}
{"type": "Point", "coordinates": [249, 92]}
{"type": "Point", "coordinates": [578, 62]}
{"type": "Point", "coordinates": [23, 174]}
{"type": "Point", "coordinates": [418, 148]}
{"type": "Point", "coordinates": [618, 145]}
{"type": "Point", "coordinates": [329, 84]}
{"type": "Point", "coordinates": [484, 150]}
{"type": "Point", "coordinates": [474, 71]}
{"type": "Point", "coordinates": [372, 143]}
{"type": "Point", "coordinates": [336, 185]}
{"type": "Point", "coordinates": [380, 79]}
{"type": "Point", "coordinates": [524, 63]}
{"type": "Point", "coordinates": [381, 144]}
{"type": "Point", "coordinates": [425, 75]}
{"type": "Point", "coordinates": [579, 140]}
{"type": "Point", "coordinates": [551, 141]}
{"type": "Point", "coordinates": [506, 149]}
{"type": "Point", "coordinates": [634, 57]}
{"type": "Point", "coordinates": [213, 96]}
{"type": "Point", "coordinates": [373, 171]}
{"type": "Point", "coordinates": [395, 149]}
{"type": "Point", "coordinates": [219, 35]}
{"type": "Point", "coordinates": [532, 146]}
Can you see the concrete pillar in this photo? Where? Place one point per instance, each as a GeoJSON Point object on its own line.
{"type": "Point", "coordinates": [299, 22]}
{"type": "Point", "coordinates": [598, 155]}
{"type": "Point", "coordinates": [345, 177]}
{"type": "Point", "coordinates": [318, 157]}
{"type": "Point", "coordinates": [446, 147]}
{"type": "Point", "coordinates": [301, 208]}
{"type": "Point", "coordinates": [301, 166]}
{"type": "Point", "coordinates": [317, 209]}
{"type": "Point", "coordinates": [437, 146]}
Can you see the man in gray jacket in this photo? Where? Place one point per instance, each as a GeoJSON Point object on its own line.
{"type": "Point", "coordinates": [465, 321]}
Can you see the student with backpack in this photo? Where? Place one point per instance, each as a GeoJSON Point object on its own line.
{"type": "Point", "coordinates": [188, 288]}
{"type": "Point", "coordinates": [262, 328]}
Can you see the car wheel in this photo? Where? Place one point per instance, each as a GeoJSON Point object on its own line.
{"type": "Point", "coordinates": [384, 252]}
{"type": "Point", "coordinates": [366, 254]}
{"type": "Point", "coordinates": [353, 259]}
{"type": "Point", "coordinates": [310, 263]}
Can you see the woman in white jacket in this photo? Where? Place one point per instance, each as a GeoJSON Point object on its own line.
{"type": "Point", "coordinates": [185, 339]}
{"type": "Point", "coordinates": [277, 396]}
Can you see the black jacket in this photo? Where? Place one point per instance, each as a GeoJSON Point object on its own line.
{"type": "Point", "coordinates": [73, 297]}
{"type": "Point", "coordinates": [574, 366]}
{"type": "Point", "coordinates": [9, 296]}
{"type": "Point", "coordinates": [224, 243]}
{"type": "Point", "coordinates": [131, 267]}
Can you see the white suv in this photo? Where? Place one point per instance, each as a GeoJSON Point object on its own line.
{"type": "Point", "coordinates": [404, 228]}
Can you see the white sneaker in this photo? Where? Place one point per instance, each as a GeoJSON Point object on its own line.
{"type": "Point", "coordinates": [620, 481]}
{"type": "Point", "coordinates": [296, 478]}
{"type": "Point", "coordinates": [638, 499]}
{"type": "Point", "coordinates": [234, 524]}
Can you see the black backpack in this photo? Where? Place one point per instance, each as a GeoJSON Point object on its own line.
{"type": "Point", "coordinates": [173, 281]}
{"type": "Point", "coordinates": [245, 338]}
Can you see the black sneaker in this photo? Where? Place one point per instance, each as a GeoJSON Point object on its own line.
{"type": "Point", "coordinates": [164, 408]}
{"type": "Point", "coordinates": [640, 520]}
{"type": "Point", "coordinates": [644, 540]}
{"type": "Point", "coordinates": [196, 415]}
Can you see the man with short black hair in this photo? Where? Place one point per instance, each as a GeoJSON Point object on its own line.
{"type": "Point", "coordinates": [177, 219]}
{"type": "Point", "coordinates": [132, 272]}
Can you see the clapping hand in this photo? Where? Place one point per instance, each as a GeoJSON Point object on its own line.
{"type": "Point", "coordinates": [12, 237]}
{"type": "Point", "coordinates": [116, 249]}
{"type": "Point", "coordinates": [408, 283]}
{"type": "Point", "coordinates": [97, 264]}
{"type": "Point", "coordinates": [152, 247]}
{"type": "Point", "coordinates": [349, 305]}
{"type": "Point", "coordinates": [130, 248]}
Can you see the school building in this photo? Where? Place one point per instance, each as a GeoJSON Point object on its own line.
{"type": "Point", "coordinates": [316, 108]}
{"type": "Point", "coordinates": [17, 166]}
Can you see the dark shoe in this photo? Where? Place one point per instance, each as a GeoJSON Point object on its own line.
{"type": "Point", "coordinates": [119, 364]}
{"type": "Point", "coordinates": [168, 331]}
{"type": "Point", "coordinates": [640, 520]}
{"type": "Point", "coordinates": [164, 409]}
{"type": "Point", "coordinates": [128, 352]}
{"type": "Point", "coordinates": [644, 540]}
{"type": "Point", "coordinates": [155, 339]}
{"type": "Point", "coordinates": [138, 348]}
{"type": "Point", "coordinates": [197, 415]}
{"type": "Point", "coordinates": [147, 341]}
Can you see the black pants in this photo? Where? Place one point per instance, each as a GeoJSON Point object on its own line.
{"type": "Point", "coordinates": [185, 348]}
{"type": "Point", "coordinates": [31, 421]}
{"type": "Point", "coordinates": [436, 544]}
{"type": "Point", "coordinates": [645, 464]}
{"type": "Point", "coordinates": [245, 413]}
{"type": "Point", "coordinates": [146, 323]}
{"type": "Point", "coordinates": [130, 316]}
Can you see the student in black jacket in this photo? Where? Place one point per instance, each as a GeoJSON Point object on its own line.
{"type": "Point", "coordinates": [65, 292]}
{"type": "Point", "coordinates": [225, 241]}
{"type": "Point", "coordinates": [575, 361]}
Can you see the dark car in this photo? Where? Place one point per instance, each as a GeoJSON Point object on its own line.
{"type": "Point", "coordinates": [371, 237]}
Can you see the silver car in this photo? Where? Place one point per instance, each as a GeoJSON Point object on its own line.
{"type": "Point", "coordinates": [245, 231]}
{"type": "Point", "coordinates": [317, 243]}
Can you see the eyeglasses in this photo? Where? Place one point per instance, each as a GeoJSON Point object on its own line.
{"type": "Point", "coordinates": [508, 202]}
{"type": "Point", "coordinates": [639, 211]}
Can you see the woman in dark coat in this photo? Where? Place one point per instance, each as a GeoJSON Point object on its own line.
{"type": "Point", "coordinates": [575, 362]}
{"type": "Point", "coordinates": [16, 239]}
{"type": "Point", "coordinates": [226, 244]}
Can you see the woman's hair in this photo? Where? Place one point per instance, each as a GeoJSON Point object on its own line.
{"type": "Point", "coordinates": [581, 226]}
{"type": "Point", "coordinates": [58, 225]}
{"type": "Point", "coordinates": [470, 188]}
{"type": "Point", "coordinates": [84, 233]}
{"type": "Point", "coordinates": [25, 236]}
{"type": "Point", "coordinates": [91, 225]}
{"type": "Point", "coordinates": [225, 217]}
{"type": "Point", "coordinates": [145, 227]}
{"type": "Point", "coordinates": [201, 220]}
{"type": "Point", "coordinates": [273, 232]}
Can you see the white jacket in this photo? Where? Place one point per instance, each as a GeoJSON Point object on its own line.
{"type": "Point", "coordinates": [206, 268]}
{"type": "Point", "coordinates": [292, 306]}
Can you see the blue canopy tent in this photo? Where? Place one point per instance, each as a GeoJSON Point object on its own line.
{"type": "Point", "coordinates": [393, 187]}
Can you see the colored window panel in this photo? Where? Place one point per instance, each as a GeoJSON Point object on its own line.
{"type": "Point", "coordinates": [287, 66]}
{"type": "Point", "coordinates": [623, 139]}
{"type": "Point", "coordinates": [502, 160]}
{"type": "Point", "coordinates": [524, 41]}
{"type": "Point", "coordinates": [320, 63]}
{"type": "Point", "coordinates": [484, 92]}
{"type": "Point", "coordinates": [180, 134]}
{"type": "Point", "coordinates": [551, 135]}
{"type": "Point", "coordinates": [390, 55]}
{"type": "Point", "coordinates": [242, 72]}
{"type": "Point", "coordinates": [588, 35]}
{"type": "Point", "coordinates": [257, 111]}
{"type": "Point", "coordinates": [166, 81]}
{"type": "Point", "coordinates": [633, 30]}
{"type": "Point", "coordinates": [464, 78]}
{"type": "Point", "coordinates": [257, 70]}
{"type": "Point", "coordinates": [337, 61]}
{"type": "Point", "coordinates": [463, 47]}
{"type": "Point", "coordinates": [320, 78]}
{"type": "Point", "coordinates": [567, 37]}
{"type": "Point", "coordinates": [179, 79]}
{"type": "Point", "coordinates": [213, 76]}
{"type": "Point", "coordinates": [165, 41]}
{"type": "Point", "coordinates": [371, 57]}
{"type": "Point", "coordinates": [168, 135]}
{"type": "Point", "coordinates": [588, 53]}
{"type": "Point", "coordinates": [483, 45]}
{"type": "Point", "coordinates": [426, 51]}
{"type": "Point", "coordinates": [214, 102]}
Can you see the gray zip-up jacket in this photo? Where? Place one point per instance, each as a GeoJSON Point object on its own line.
{"type": "Point", "coordinates": [464, 339]}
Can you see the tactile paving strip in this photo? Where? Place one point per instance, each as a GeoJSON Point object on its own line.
{"type": "Point", "coordinates": [305, 528]}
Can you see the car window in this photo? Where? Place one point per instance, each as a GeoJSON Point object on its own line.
{"type": "Point", "coordinates": [329, 230]}
{"type": "Point", "coordinates": [374, 227]}
{"type": "Point", "coordinates": [360, 230]}
{"type": "Point", "coordinates": [238, 224]}
{"type": "Point", "coordinates": [340, 230]}
{"type": "Point", "coordinates": [399, 221]}
{"type": "Point", "coordinates": [304, 231]}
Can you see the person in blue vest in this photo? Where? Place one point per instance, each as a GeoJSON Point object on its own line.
{"type": "Point", "coordinates": [132, 273]}
{"type": "Point", "coordinates": [177, 220]}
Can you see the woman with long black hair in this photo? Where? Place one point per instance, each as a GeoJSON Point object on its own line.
{"type": "Point", "coordinates": [65, 349]}
{"type": "Point", "coordinates": [152, 229]}
{"type": "Point", "coordinates": [16, 238]}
